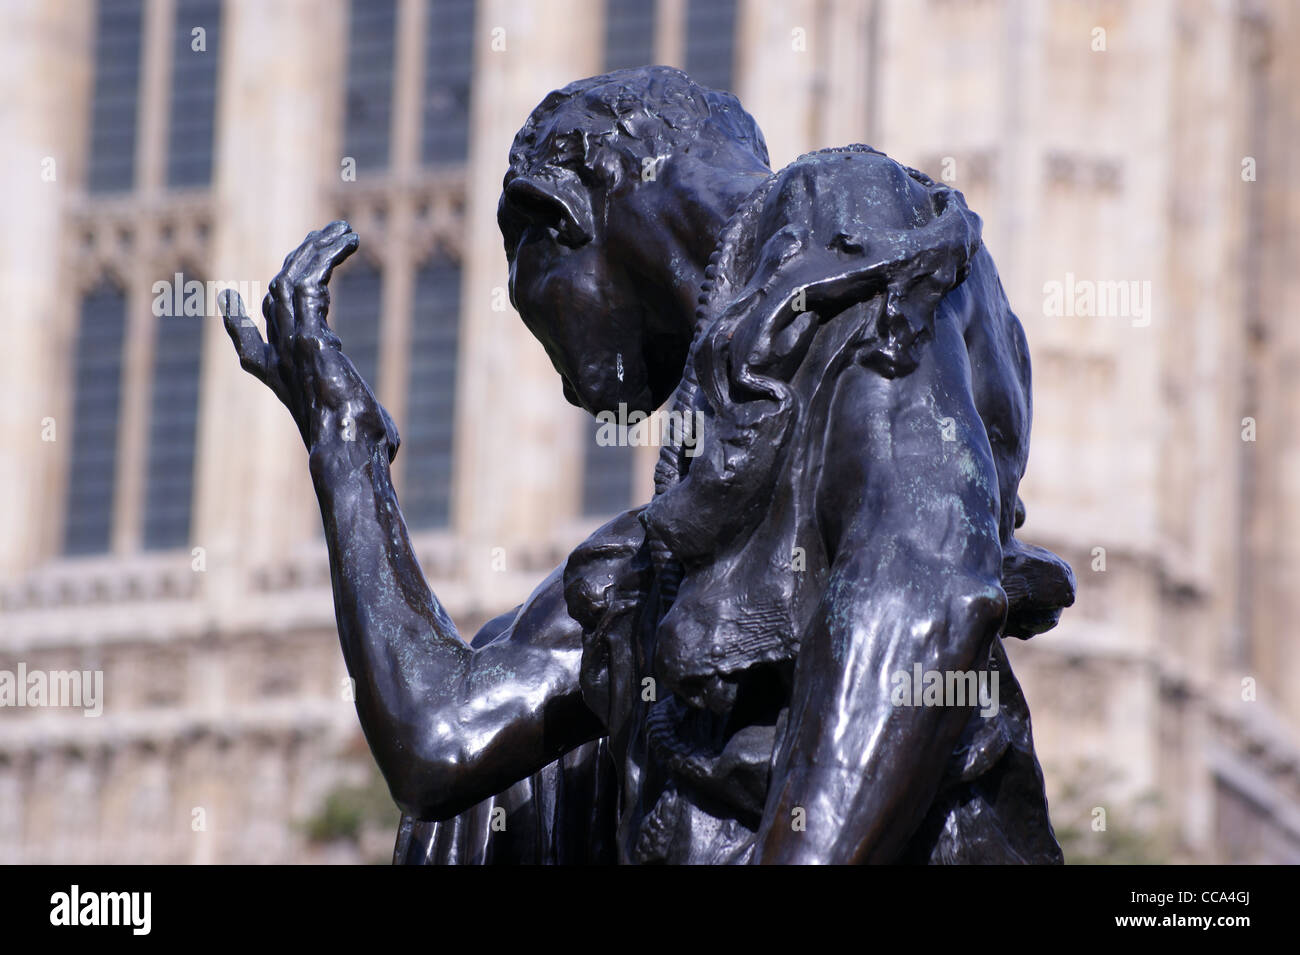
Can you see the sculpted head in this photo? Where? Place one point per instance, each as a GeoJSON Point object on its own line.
{"type": "Point", "coordinates": [616, 189]}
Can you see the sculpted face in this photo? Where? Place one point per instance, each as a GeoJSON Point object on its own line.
{"type": "Point", "coordinates": [606, 271]}
{"type": "Point", "coordinates": [601, 321]}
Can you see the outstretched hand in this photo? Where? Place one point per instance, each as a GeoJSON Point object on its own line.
{"type": "Point", "coordinates": [301, 360]}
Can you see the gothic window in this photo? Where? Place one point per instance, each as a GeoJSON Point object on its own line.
{"type": "Point", "coordinates": [194, 92]}
{"type": "Point", "coordinates": [629, 33]}
{"type": "Point", "coordinates": [711, 42]}
{"type": "Point", "coordinates": [431, 402]}
{"type": "Point", "coordinates": [173, 430]}
{"type": "Point", "coordinates": [116, 97]}
{"type": "Point", "coordinates": [448, 64]}
{"type": "Point", "coordinates": [369, 108]}
{"type": "Point", "coordinates": [97, 380]}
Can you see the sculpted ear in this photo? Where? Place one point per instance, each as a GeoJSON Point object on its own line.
{"type": "Point", "coordinates": [562, 205]}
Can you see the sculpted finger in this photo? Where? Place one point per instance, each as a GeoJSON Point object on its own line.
{"type": "Point", "coordinates": [301, 261]}
{"type": "Point", "coordinates": [337, 227]}
{"type": "Point", "coordinates": [279, 319]}
{"type": "Point", "coordinates": [305, 247]}
{"type": "Point", "coordinates": [278, 306]}
{"type": "Point", "coordinates": [311, 292]}
{"type": "Point", "coordinates": [254, 354]}
{"type": "Point", "coordinates": [329, 253]}
{"type": "Point", "coordinates": [269, 313]}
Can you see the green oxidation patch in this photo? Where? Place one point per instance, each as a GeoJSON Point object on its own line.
{"type": "Point", "coordinates": [412, 656]}
{"type": "Point", "coordinates": [969, 468]}
{"type": "Point", "coordinates": [971, 528]}
{"type": "Point", "coordinates": [879, 423]}
{"type": "Point", "coordinates": [888, 554]}
{"type": "Point", "coordinates": [488, 675]}
{"type": "Point", "coordinates": [919, 495]}
{"type": "Point", "coordinates": [839, 615]}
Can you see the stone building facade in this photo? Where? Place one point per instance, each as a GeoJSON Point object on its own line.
{"type": "Point", "coordinates": [1129, 160]}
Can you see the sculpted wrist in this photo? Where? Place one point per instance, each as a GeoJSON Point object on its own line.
{"type": "Point", "coordinates": [344, 439]}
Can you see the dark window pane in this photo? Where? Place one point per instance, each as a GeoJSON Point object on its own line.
{"type": "Point", "coordinates": [431, 405]}
{"type": "Point", "coordinates": [97, 387]}
{"type": "Point", "coordinates": [117, 86]}
{"type": "Point", "coordinates": [607, 475]}
{"type": "Point", "coordinates": [629, 33]}
{"type": "Point", "coordinates": [173, 429]}
{"type": "Point", "coordinates": [711, 42]}
{"type": "Point", "coordinates": [369, 108]}
{"type": "Point", "coordinates": [448, 64]}
{"type": "Point", "coordinates": [355, 292]}
{"type": "Point", "coordinates": [194, 94]}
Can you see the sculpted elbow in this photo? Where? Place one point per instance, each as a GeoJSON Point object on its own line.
{"type": "Point", "coordinates": [973, 613]}
{"type": "Point", "coordinates": [979, 607]}
{"type": "Point", "coordinates": [424, 779]}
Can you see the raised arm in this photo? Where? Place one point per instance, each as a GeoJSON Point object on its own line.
{"type": "Point", "coordinates": [448, 725]}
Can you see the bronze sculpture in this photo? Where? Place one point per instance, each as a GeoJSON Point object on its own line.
{"type": "Point", "coordinates": [714, 676]}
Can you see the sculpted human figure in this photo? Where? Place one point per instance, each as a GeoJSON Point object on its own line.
{"type": "Point", "coordinates": [727, 673]}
